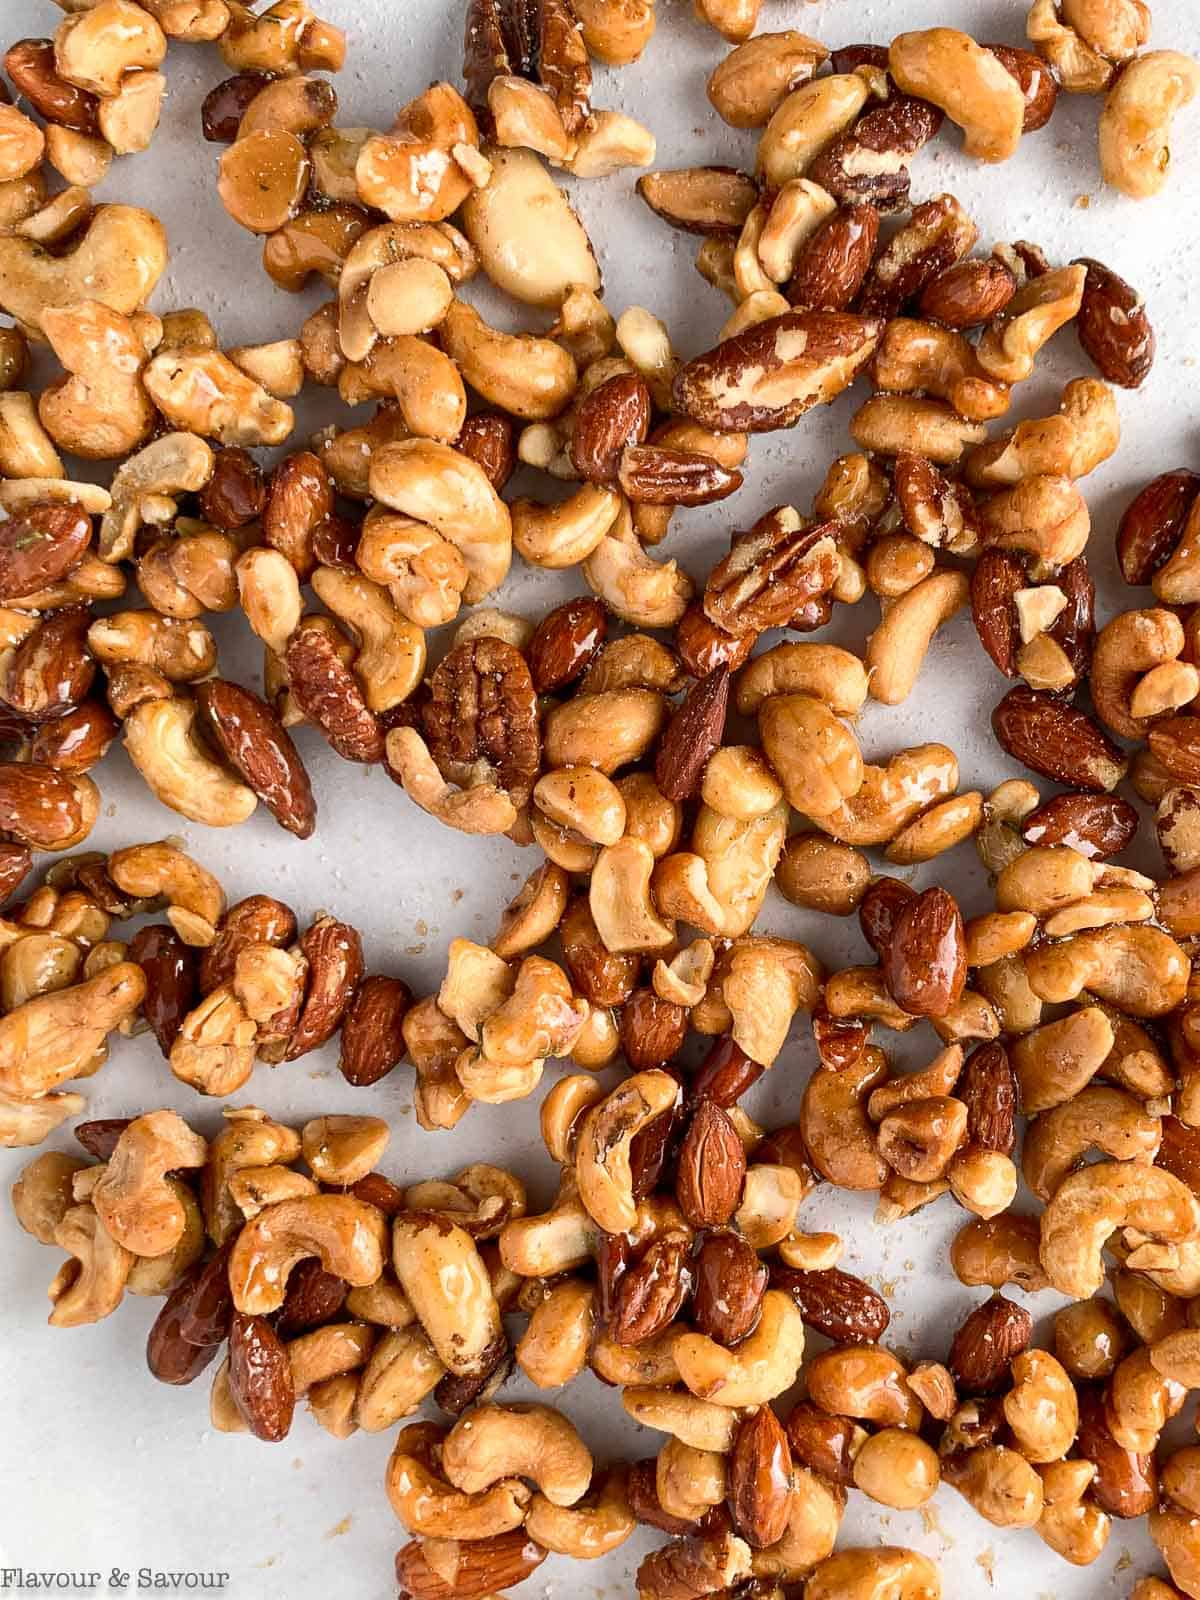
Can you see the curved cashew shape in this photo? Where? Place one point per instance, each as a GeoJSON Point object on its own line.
{"type": "Point", "coordinates": [391, 650]}
{"type": "Point", "coordinates": [969, 84]}
{"type": "Point", "coordinates": [1141, 970]}
{"type": "Point", "coordinates": [751, 1374]}
{"type": "Point", "coordinates": [176, 463]}
{"type": "Point", "coordinates": [443, 1275]}
{"type": "Point", "coordinates": [434, 242]}
{"type": "Point", "coordinates": [491, 1442]}
{"type": "Point", "coordinates": [1129, 646]}
{"type": "Point", "coordinates": [1082, 433]}
{"type": "Point", "coordinates": [531, 378]}
{"type": "Point", "coordinates": [480, 809]}
{"type": "Point", "coordinates": [767, 980]}
{"type": "Point", "coordinates": [719, 887]}
{"type": "Point", "coordinates": [195, 899]}
{"type": "Point", "coordinates": [567, 532]}
{"type": "Point", "coordinates": [1033, 316]}
{"type": "Point", "coordinates": [645, 593]}
{"type": "Point", "coordinates": [347, 1235]}
{"type": "Point", "coordinates": [886, 1572]}
{"type": "Point", "coordinates": [892, 796]}
{"type": "Point", "coordinates": [132, 1198]}
{"type": "Point", "coordinates": [430, 1508]}
{"type": "Point", "coordinates": [117, 260]}
{"type": "Point", "coordinates": [420, 378]}
{"type": "Point", "coordinates": [28, 1122]}
{"type": "Point", "coordinates": [93, 1285]}
{"type": "Point", "coordinates": [161, 742]}
{"type": "Point", "coordinates": [437, 484]}
{"type": "Point", "coordinates": [60, 1035]}
{"type": "Point", "coordinates": [1045, 517]}
{"type": "Point", "coordinates": [602, 1167]}
{"type": "Point", "coordinates": [100, 410]}
{"type": "Point", "coordinates": [1098, 1118]}
{"type": "Point", "coordinates": [1091, 1205]}
{"type": "Point", "coordinates": [621, 903]}
{"type": "Point", "coordinates": [584, 1532]}
{"type": "Point", "coordinates": [1135, 122]}
{"type": "Point", "coordinates": [826, 672]}
{"type": "Point", "coordinates": [249, 1140]}
{"type": "Point", "coordinates": [899, 644]}
{"type": "Point", "coordinates": [203, 392]}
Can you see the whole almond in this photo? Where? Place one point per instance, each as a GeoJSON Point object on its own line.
{"type": "Point", "coordinates": [260, 749]}
{"type": "Point", "coordinates": [651, 1291]}
{"type": "Point", "coordinates": [1175, 742]}
{"type": "Point", "coordinates": [1153, 523]}
{"type": "Point", "coordinates": [99, 1135]}
{"type": "Point", "coordinates": [760, 1479]}
{"type": "Point", "coordinates": [652, 1030]}
{"type": "Point", "coordinates": [299, 499]}
{"type": "Point", "coordinates": [925, 964]}
{"type": "Point", "coordinates": [15, 862]}
{"type": "Point", "coordinates": [372, 1036]}
{"type": "Point", "coordinates": [730, 1282]}
{"type": "Point", "coordinates": [988, 1088]}
{"type": "Point", "coordinates": [236, 494]}
{"type": "Point", "coordinates": [314, 1297]}
{"type": "Point", "coordinates": [1126, 1483]}
{"type": "Point", "coordinates": [986, 1344]}
{"type": "Point", "coordinates": [482, 1566]}
{"type": "Point", "coordinates": [1096, 825]}
{"type": "Point", "coordinates": [51, 670]}
{"type": "Point", "coordinates": [614, 415]}
{"type": "Point", "coordinates": [260, 1377]}
{"type": "Point", "coordinates": [712, 1167]}
{"type": "Point", "coordinates": [333, 951]}
{"type": "Point", "coordinates": [969, 293]}
{"type": "Point", "coordinates": [172, 987]}
{"type": "Point", "coordinates": [880, 906]}
{"type": "Point", "coordinates": [1057, 740]}
{"type": "Point", "coordinates": [995, 581]}
{"type": "Point", "coordinates": [379, 1192]}
{"type": "Point", "coordinates": [39, 807]}
{"type": "Point", "coordinates": [769, 375]}
{"type": "Point", "coordinates": [76, 741]}
{"type": "Point", "coordinates": [1113, 327]}
{"type": "Point", "coordinates": [39, 546]}
{"type": "Point", "coordinates": [834, 260]}
{"type": "Point", "coordinates": [724, 1075]}
{"type": "Point", "coordinates": [207, 1315]}
{"type": "Point", "coordinates": [170, 1357]}
{"type": "Point", "coordinates": [692, 735]}
{"type": "Point", "coordinates": [489, 438]}
{"type": "Point", "coordinates": [602, 976]}
{"type": "Point", "coordinates": [825, 1444]}
{"type": "Point", "coordinates": [835, 1303]}
{"type": "Point", "coordinates": [565, 642]}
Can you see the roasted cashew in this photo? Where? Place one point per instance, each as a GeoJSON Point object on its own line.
{"type": "Point", "coordinates": [100, 409]}
{"type": "Point", "coordinates": [490, 1443]}
{"type": "Point", "coordinates": [437, 484]}
{"type": "Point", "coordinates": [825, 672]}
{"type": "Point", "coordinates": [602, 1166]}
{"type": "Point", "coordinates": [897, 648]}
{"type": "Point", "coordinates": [589, 1529]}
{"type": "Point", "coordinates": [1140, 969]}
{"type": "Point", "coordinates": [568, 531]}
{"type": "Point", "coordinates": [482, 808]}
{"type": "Point", "coordinates": [763, 1365]}
{"type": "Point", "coordinates": [176, 463]}
{"type": "Point", "coordinates": [968, 82]}
{"type": "Point", "coordinates": [61, 1035]}
{"type": "Point", "coordinates": [195, 899]}
{"type": "Point", "coordinates": [766, 981]}
{"type": "Point", "coordinates": [531, 378]}
{"type": "Point", "coordinates": [1073, 441]}
{"type": "Point", "coordinates": [117, 261]}
{"type": "Point", "coordinates": [644, 593]}
{"type": "Point", "coordinates": [92, 1285]}
{"type": "Point", "coordinates": [429, 1507]}
{"type": "Point", "coordinates": [1091, 1205]}
{"type": "Point", "coordinates": [1127, 648]}
{"type": "Point", "coordinates": [1135, 122]}
{"type": "Point", "coordinates": [132, 1198]}
{"type": "Point", "coordinates": [443, 1275]}
{"type": "Point", "coordinates": [161, 741]}
{"type": "Point", "coordinates": [391, 657]}
{"type": "Point", "coordinates": [347, 1235]}
{"type": "Point", "coordinates": [1098, 1118]}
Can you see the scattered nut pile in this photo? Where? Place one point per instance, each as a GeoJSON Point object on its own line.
{"type": "Point", "coordinates": [672, 1262]}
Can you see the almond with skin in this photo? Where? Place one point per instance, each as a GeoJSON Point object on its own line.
{"type": "Point", "coordinates": [985, 1345]}
{"type": "Point", "coordinates": [712, 1167]}
{"type": "Point", "coordinates": [760, 1479]}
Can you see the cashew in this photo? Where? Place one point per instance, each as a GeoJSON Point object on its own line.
{"type": "Point", "coordinates": [884, 1572]}
{"type": "Point", "coordinates": [414, 173]}
{"type": "Point", "coordinates": [621, 902]}
{"type": "Point", "coordinates": [806, 122]}
{"type": "Point", "coordinates": [176, 463]}
{"type": "Point", "coordinates": [403, 1369]}
{"type": "Point", "coordinates": [347, 1235]}
{"type": "Point", "coordinates": [1041, 1408]}
{"type": "Point", "coordinates": [437, 484]}
{"type": "Point", "coordinates": [202, 392]}
{"type": "Point", "coordinates": [766, 982]}
{"type": "Point", "coordinates": [163, 746]}
{"type": "Point", "coordinates": [92, 1285]}
{"type": "Point", "coordinates": [214, 1049]}
{"type": "Point", "coordinates": [132, 1198]}
{"type": "Point", "coordinates": [195, 899]}
{"type": "Point", "coordinates": [491, 1442]}
{"type": "Point", "coordinates": [531, 378]}
{"type": "Point", "coordinates": [28, 1122]}
{"type": "Point", "coordinates": [100, 411]}
{"type": "Point", "coordinates": [444, 1278]}
{"type": "Point", "coordinates": [117, 261]}
{"type": "Point", "coordinates": [553, 1350]}
{"type": "Point", "coordinates": [429, 1507]}
{"type": "Point", "coordinates": [403, 255]}
{"type": "Point", "coordinates": [1032, 317]}
{"type": "Point", "coordinates": [1130, 646]}
{"type": "Point", "coordinates": [893, 796]}
{"type": "Point", "coordinates": [968, 82]}
{"type": "Point", "coordinates": [421, 379]}
{"type": "Point", "coordinates": [826, 672]}
{"type": "Point", "coordinates": [391, 657]}
{"type": "Point", "coordinates": [1081, 434]}
{"type": "Point", "coordinates": [645, 593]}
{"type": "Point", "coordinates": [763, 1365]}
{"type": "Point", "coordinates": [589, 1529]}
{"type": "Point", "coordinates": [269, 592]}
{"type": "Point", "coordinates": [42, 1194]}
{"type": "Point", "coordinates": [1141, 970]}
{"type": "Point", "coordinates": [602, 1158]}
{"type": "Point", "coordinates": [482, 808]}
{"type": "Point", "coordinates": [1093, 1204]}
{"type": "Point", "coordinates": [558, 1240]}
{"type": "Point", "coordinates": [1135, 122]}
{"type": "Point", "coordinates": [567, 532]}
{"type": "Point", "coordinates": [530, 242]}
{"type": "Point", "coordinates": [60, 1035]}
{"type": "Point", "coordinates": [898, 646]}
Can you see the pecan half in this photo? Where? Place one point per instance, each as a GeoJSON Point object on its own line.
{"type": "Point", "coordinates": [260, 749]}
{"type": "Point", "coordinates": [936, 511]}
{"type": "Point", "coordinates": [481, 718]}
{"type": "Point", "coordinates": [870, 162]}
{"type": "Point", "coordinates": [534, 39]}
{"type": "Point", "coordinates": [769, 375]}
{"type": "Point", "coordinates": [771, 571]}
{"type": "Point", "coordinates": [653, 475]}
{"type": "Point", "coordinates": [938, 234]}
{"type": "Point", "coordinates": [1059, 741]}
{"type": "Point", "coordinates": [329, 695]}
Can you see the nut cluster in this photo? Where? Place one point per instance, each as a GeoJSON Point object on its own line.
{"type": "Point", "coordinates": [672, 1262]}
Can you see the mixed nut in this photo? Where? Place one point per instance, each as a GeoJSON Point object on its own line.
{"type": "Point", "coordinates": [671, 1262]}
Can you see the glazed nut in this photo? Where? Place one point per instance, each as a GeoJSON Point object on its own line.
{"type": "Point", "coordinates": [948, 68]}
{"type": "Point", "coordinates": [1091, 1205]}
{"type": "Point", "coordinates": [429, 1253]}
{"type": "Point", "coordinates": [491, 1443]}
{"type": "Point", "coordinates": [132, 1198]}
{"type": "Point", "coordinates": [761, 1367]}
{"type": "Point", "coordinates": [346, 1234]}
{"type": "Point", "coordinates": [1135, 123]}
{"type": "Point", "coordinates": [340, 1150]}
{"type": "Point", "coordinates": [195, 900]}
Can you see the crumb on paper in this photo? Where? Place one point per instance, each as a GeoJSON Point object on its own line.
{"type": "Point", "coordinates": [457, 895]}
{"type": "Point", "coordinates": [269, 1561]}
{"type": "Point", "coordinates": [1124, 1560]}
{"type": "Point", "coordinates": [931, 1525]}
{"type": "Point", "coordinates": [297, 1463]}
{"type": "Point", "coordinates": [414, 949]}
{"type": "Point", "coordinates": [986, 1561]}
{"type": "Point", "coordinates": [1082, 202]}
{"type": "Point", "coordinates": [422, 927]}
{"type": "Point", "coordinates": [339, 1528]}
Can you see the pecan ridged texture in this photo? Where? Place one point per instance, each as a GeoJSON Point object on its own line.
{"type": "Point", "coordinates": [329, 695]}
{"type": "Point", "coordinates": [770, 573]}
{"type": "Point", "coordinates": [481, 718]}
